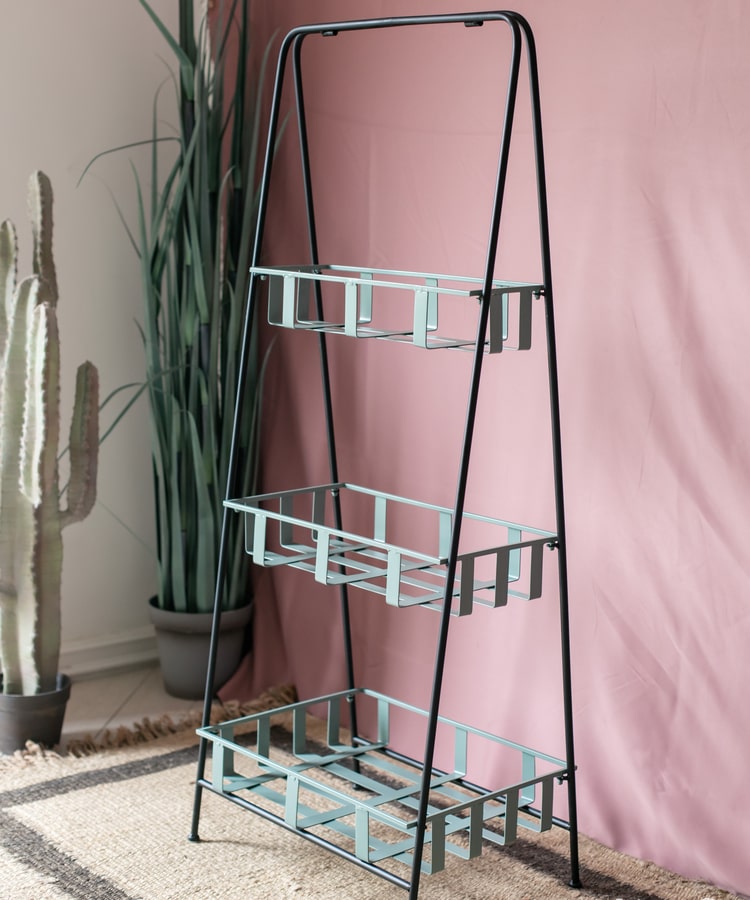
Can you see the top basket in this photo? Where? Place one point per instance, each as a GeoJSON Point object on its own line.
{"type": "Point", "coordinates": [409, 307]}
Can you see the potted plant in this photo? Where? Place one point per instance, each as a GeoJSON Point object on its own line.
{"type": "Point", "coordinates": [193, 240]}
{"type": "Point", "coordinates": [34, 694]}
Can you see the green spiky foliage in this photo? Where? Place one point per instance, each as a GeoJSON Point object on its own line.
{"type": "Point", "coordinates": [33, 507]}
{"type": "Point", "coordinates": [193, 239]}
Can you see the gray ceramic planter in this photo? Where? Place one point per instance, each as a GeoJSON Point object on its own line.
{"type": "Point", "coordinates": [182, 640]}
{"type": "Point", "coordinates": [33, 717]}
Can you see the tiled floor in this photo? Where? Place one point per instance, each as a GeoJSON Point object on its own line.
{"type": "Point", "coordinates": [119, 699]}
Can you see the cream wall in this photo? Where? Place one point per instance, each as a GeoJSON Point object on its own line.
{"type": "Point", "coordinates": [83, 75]}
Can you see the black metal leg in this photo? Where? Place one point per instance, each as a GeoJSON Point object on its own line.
{"type": "Point", "coordinates": [554, 402]}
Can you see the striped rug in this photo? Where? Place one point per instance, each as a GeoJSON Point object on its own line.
{"type": "Point", "coordinates": [113, 824]}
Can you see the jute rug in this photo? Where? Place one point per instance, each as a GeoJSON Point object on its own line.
{"type": "Point", "coordinates": [113, 824]}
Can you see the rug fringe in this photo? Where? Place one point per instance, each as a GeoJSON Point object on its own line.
{"type": "Point", "coordinates": [149, 729]}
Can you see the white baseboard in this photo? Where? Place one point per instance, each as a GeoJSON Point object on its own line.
{"type": "Point", "coordinates": [109, 653]}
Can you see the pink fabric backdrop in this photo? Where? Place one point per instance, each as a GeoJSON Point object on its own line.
{"type": "Point", "coordinates": [647, 132]}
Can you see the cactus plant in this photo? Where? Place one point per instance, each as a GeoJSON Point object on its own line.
{"type": "Point", "coordinates": [31, 514]}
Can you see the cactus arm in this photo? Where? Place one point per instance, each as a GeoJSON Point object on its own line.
{"type": "Point", "coordinates": [40, 212]}
{"type": "Point", "coordinates": [42, 619]}
{"type": "Point", "coordinates": [8, 257]}
{"type": "Point", "coordinates": [12, 406]}
{"type": "Point", "coordinates": [84, 446]}
{"type": "Point", "coordinates": [39, 599]}
{"type": "Point", "coordinates": [16, 513]}
{"type": "Point", "coordinates": [33, 432]}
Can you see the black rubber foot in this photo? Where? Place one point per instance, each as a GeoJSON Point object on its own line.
{"type": "Point", "coordinates": [194, 838]}
{"type": "Point", "coordinates": [575, 883]}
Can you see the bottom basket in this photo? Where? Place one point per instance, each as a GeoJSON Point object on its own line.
{"type": "Point", "coordinates": [363, 797]}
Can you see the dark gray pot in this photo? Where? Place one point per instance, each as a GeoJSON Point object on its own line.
{"type": "Point", "coordinates": [182, 640]}
{"type": "Point", "coordinates": [33, 717]}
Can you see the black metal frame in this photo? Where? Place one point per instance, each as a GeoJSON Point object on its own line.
{"type": "Point", "coordinates": [521, 35]}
